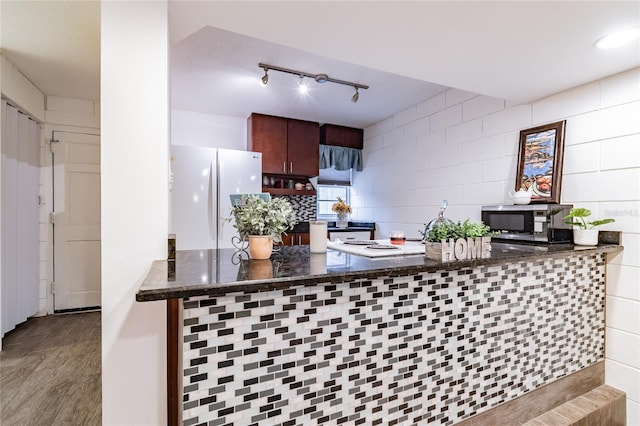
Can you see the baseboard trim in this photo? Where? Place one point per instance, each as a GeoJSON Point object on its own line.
{"type": "Point", "coordinates": [74, 310]}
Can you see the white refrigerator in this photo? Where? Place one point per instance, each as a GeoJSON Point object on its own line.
{"type": "Point", "coordinates": [202, 180]}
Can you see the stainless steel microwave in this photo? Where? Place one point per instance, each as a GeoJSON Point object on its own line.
{"type": "Point", "coordinates": [530, 223]}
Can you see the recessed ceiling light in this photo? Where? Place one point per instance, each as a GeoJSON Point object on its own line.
{"type": "Point", "coordinates": [618, 38]}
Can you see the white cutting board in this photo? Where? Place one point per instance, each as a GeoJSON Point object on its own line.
{"type": "Point", "coordinates": [409, 248]}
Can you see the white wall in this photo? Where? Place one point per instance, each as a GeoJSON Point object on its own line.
{"type": "Point", "coordinates": [134, 158]}
{"type": "Point", "coordinates": [208, 130]}
{"type": "Point", "coordinates": [21, 91]}
{"type": "Point", "coordinates": [462, 147]}
{"type": "Point", "coordinates": [0, 201]}
{"type": "Point", "coordinates": [1, 79]}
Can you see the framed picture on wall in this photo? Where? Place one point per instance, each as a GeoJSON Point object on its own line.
{"type": "Point", "coordinates": [540, 162]}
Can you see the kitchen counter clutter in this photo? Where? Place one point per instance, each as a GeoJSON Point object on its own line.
{"type": "Point", "coordinates": [217, 272]}
{"type": "Point", "coordinates": [340, 338]}
{"type": "Point", "coordinates": [377, 248]}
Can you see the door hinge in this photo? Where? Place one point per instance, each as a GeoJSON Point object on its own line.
{"type": "Point", "coordinates": [52, 218]}
{"type": "Point", "coordinates": [52, 142]}
{"type": "Point", "coordinates": [53, 287]}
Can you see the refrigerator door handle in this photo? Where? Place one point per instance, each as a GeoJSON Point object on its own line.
{"type": "Point", "coordinates": [210, 207]}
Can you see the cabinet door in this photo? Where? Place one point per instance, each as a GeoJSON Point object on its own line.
{"type": "Point", "coordinates": [303, 138]}
{"type": "Point", "coordinates": [353, 138]}
{"type": "Point", "coordinates": [268, 135]}
{"type": "Point", "coordinates": [349, 137]}
{"type": "Point", "coordinates": [290, 239]}
{"type": "Point", "coordinates": [305, 238]}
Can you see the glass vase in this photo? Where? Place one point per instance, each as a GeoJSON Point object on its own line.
{"type": "Point", "coordinates": [343, 220]}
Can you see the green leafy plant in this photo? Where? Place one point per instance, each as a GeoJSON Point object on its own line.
{"type": "Point", "coordinates": [447, 229]}
{"type": "Point", "coordinates": [578, 217]}
{"type": "Point", "coordinates": [256, 216]}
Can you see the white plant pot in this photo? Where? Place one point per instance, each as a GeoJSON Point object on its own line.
{"type": "Point", "coordinates": [585, 237]}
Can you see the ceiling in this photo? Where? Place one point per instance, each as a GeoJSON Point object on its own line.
{"type": "Point", "coordinates": [405, 51]}
{"type": "Point", "coordinates": [55, 44]}
{"type": "Point", "coordinates": [216, 71]}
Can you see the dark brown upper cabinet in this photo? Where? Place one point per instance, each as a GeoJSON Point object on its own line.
{"type": "Point", "coordinates": [331, 134]}
{"type": "Point", "coordinates": [288, 146]}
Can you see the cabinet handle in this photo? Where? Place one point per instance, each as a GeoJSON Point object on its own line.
{"type": "Point", "coordinates": [299, 240]}
{"type": "Point", "coordinates": [291, 167]}
{"type": "Point", "coordinates": [284, 167]}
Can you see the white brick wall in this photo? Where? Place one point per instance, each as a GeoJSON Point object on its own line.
{"type": "Point", "coordinates": [431, 105]}
{"type": "Point", "coordinates": [456, 96]}
{"type": "Point", "coordinates": [466, 148]}
{"type": "Point", "coordinates": [446, 118]}
{"type": "Point", "coordinates": [480, 106]}
{"type": "Point", "coordinates": [464, 132]}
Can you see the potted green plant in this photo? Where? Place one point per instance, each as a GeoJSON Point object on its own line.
{"type": "Point", "coordinates": [465, 240]}
{"type": "Point", "coordinates": [585, 232]}
{"type": "Point", "coordinates": [262, 222]}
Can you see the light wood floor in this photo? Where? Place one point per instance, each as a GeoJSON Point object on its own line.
{"type": "Point", "coordinates": [50, 372]}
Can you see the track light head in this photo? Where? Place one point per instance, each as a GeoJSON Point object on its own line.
{"type": "Point", "coordinates": [265, 77]}
{"type": "Point", "coordinates": [302, 88]}
{"type": "Point", "coordinates": [355, 96]}
{"type": "Point", "coordinates": [321, 78]}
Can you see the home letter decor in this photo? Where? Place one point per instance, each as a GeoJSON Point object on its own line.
{"type": "Point", "coordinates": [474, 248]}
{"type": "Point", "coordinates": [486, 247]}
{"type": "Point", "coordinates": [461, 249]}
{"type": "Point", "coordinates": [448, 250]}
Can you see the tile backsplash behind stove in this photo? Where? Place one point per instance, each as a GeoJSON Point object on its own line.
{"type": "Point", "coordinates": [304, 206]}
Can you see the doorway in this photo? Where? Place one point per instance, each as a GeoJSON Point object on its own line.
{"type": "Point", "coordinates": [76, 221]}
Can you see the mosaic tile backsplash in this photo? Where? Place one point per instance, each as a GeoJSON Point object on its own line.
{"type": "Point", "coordinates": [426, 349]}
{"type": "Point", "coordinates": [304, 206]}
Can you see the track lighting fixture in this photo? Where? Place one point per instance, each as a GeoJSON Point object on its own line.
{"type": "Point", "coordinates": [319, 78]}
{"type": "Point", "coordinates": [355, 96]}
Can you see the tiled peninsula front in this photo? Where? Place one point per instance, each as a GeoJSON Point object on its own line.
{"type": "Point", "coordinates": [337, 338]}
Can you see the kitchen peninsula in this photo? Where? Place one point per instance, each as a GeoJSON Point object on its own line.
{"type": "Point", "coordinates": [314, 338]}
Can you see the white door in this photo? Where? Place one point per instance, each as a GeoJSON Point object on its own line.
{"type": "Point", "coordinates": [76, 221]}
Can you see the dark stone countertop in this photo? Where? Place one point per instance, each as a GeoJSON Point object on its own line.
{"type": "Point", "coordinates": [218, 272]}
